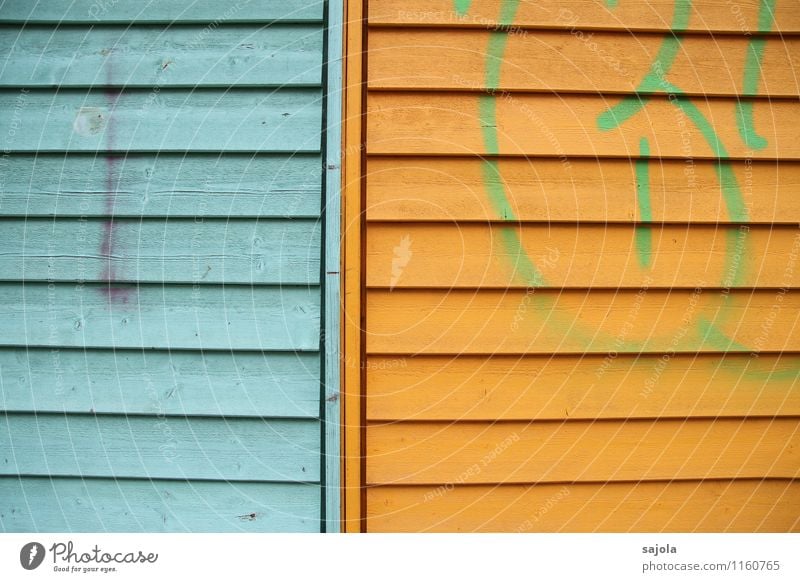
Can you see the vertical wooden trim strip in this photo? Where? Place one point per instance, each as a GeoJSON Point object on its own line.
{"type": "Point", "coordinates": [332, 280]}
{"type": "Point", "coordinates": [352, 265]}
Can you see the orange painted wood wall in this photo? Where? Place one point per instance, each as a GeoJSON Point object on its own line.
{"type": "Point", "coordinates": [572, 276]}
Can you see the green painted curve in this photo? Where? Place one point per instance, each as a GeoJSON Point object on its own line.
{"type": "Point", "coordinates": [655, 78]}
{"type": "Point", "coordinates": [487, 115]}
{"type": "Point", "coordinates": [731, 192]}
{"type": "Point", "coordinates": [462, 6]}
{"type": "Point", "coordinates": [644, 235]}
{"type": "Point", "coordinates": [752, 76]}
{"type": "Point", "coordinates": [708, 331]}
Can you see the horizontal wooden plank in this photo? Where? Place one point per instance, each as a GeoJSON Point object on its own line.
{"type": "Point", "coordinates": [168, 120]}
{"type": "Point", "coordinates": [550, 125]}
{"type": "Point", "coordinates": [573, 61]}
{"type": "Point", "coordinates": [175, 185]}
{"type": "Point", "coordinates": [166, 383]}
{"type": "Point", "coordinates": [708, 506]}
{"type": "Point", "coordinates": [581, 387]}
{"type": "Point", "coordinates": [80, 11]}
{"type": "Point", "coordinates": [160, 250]}
{"type": "Point", "coordinates": [585, 190]}
{"type": "Point", "coordinates": [142, 506]}
{"type": "Point", "coordinates": [517, 452]}
{"type": "Point", "coordinates": [156, 57]}
{"type": "Point", "coordinates": [159, 448]}
{"type": "Point", "coordinates": [154, 316]}
{"type": "Point", "coordinates": [538, 321]}
{"type": "Point", "coordinates": [705, 15]}
{"type": "Point", "coordinates": [472, 255]}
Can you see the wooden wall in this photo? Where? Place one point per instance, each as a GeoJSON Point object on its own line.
{"type": "Point", "coordinates": [161, 300]}
{"type": "Point", "coordinates": [581, 266]}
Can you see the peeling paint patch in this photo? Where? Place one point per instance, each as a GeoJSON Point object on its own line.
{"type": "Point", "coordinates": [90, 121]}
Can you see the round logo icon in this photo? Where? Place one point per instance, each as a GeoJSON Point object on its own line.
{"type": "Point", "coordinates": [31, 555]}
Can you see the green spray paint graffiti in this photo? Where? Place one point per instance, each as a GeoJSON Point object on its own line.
{"type": "Point", "coordinates": [462, 6]}
{"type": "Point", "coordinates": [644, 240]}
{"type": "Point", "coordinates": [651, 83]}
{"type": "Point", "coordinates": [708, 331]}
{"type": "Point", "coordinates": [521, 263]}
{"type": "Point", "coordinates": [752, 75]}
{"type": "Point", "coordinates": [493, 181]}
{"type": "Point", "coordinates": [736, 242]}
{"type": "Point", "coordinates": [731, 192]}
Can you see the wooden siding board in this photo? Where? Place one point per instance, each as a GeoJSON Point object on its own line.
{"type": "Point", "coordinates": [546, 61]}
{"type": "Point", "coordinates": [558, 387]}
{"type": "Point", "coordinates": [473, 255]}
{"type": "Point", "coordinates": [162, 185]}
{"type": "Point", "coordinates": [162, 251]}
{"type": "Point", "coordinates": [155, 57]}
{"type": "Point", "coordinates": [153, 316]}
{"type": "Point", "coordinates": [705, 15]}
{"type": "Point", "coordinates": [352, 294]}
{"type": "Point", "coordinates": [522, 452]}
{"type": "Point", "coordinates": [157, 447]}
{"type": "Point", "coordinates": [582, 321]}
{"type": "Point", "coordinates": [600, 190]}
{"type": "Point", "coordinates": [156, 382]}
{"type": "Point", "coordinates": [153, 506]}
{"type": "Point", "coordinates": [332, 266]}
{"type": "Point", "coordinates": [160, 11]}
{"type": "Point", "coordinates": [286, 120]}
{"type": "Point", "coordinates": [410, 123]}
{"type": "Point", "coordinates": [678, 506]}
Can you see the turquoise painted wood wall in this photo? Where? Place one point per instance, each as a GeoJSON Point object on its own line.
{"type": "Point", "coordinates": [162, 202]}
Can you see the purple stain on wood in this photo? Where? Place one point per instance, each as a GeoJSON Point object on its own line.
{"type": "Point", "coordinates": [114, 294]}
{"type": "Point", "coordinates": [108, 243]}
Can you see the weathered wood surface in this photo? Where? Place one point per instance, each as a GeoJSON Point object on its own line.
{"type": "Point", "coordinates": [535, 321]}
{"type": "Point", "coordinates": [153, 316]}
{"type": "Point", "coordinates": [641, 450]}
{"type": "Point", "coordinates": [211, 12]}
{"type": "Point", "coordinates": [473, 255]}
{"type": "Point", "coordinates": [159, 382]}
{"type": "Point", "coordinates": [410, 123]}
{"type": "Point", "coordinates": [154, 57]}
{"type": "Point", "coordinates": [547, 190]}
{"type": "Point", "coordinates": [200, 252]}
{"type": "Point", "coordinates": [163, 185]}
{"type": "Point", "coordinates": [744, 506]}
{"type": "Point", "coordinates": [205, 120]}
{"type": "Point", "coordinates": [150, 506]}
{"type": "Point", "coordinates": [155, 447]}
{"type": "Point", "coordinates": [561, 387]}
{"type": "Point", "coordinates": [704, 15]}
{"type": "Point", "coordinates": [573, 61]}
